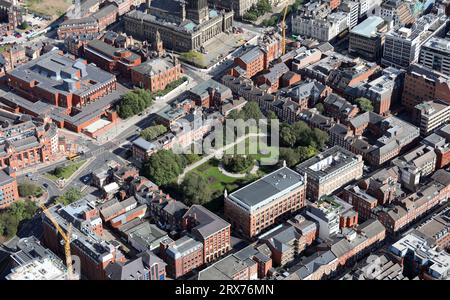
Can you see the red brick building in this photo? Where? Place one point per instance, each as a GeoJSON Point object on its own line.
{"type": "Point", "coordinates": [94, 253]}
{"type": "Point", "coordinates": [27, 143]}
{"type": "Point", "coordinates": [210, 93]}
{"type": "Point", "coordinates": [288, 240]}
{"type": "Point", "coordinates": [77, 27]}
{"type": "Point", "coordinates": [9, 192]}
{"type": "Point", "coordinates": [412, 207]}
{"type": "Point", "coordinates": [422, 85]}
{"type": "Point", "coordinates": [181, 256]}
{"type": "Point", "coordinates": [257, 58]}
{"type": "Point", "coordinates": [250, 210]}
{"type": "Point", "coordinates": [111, 59]}
{"type": "Point", "coordinates": [359, 241]}
{"type": "Point", "coordinates": [211, 230]}
{"type": "Point", "coordinates": [106, 16]}
{"type": "Point", "coordinates": [155, 74]}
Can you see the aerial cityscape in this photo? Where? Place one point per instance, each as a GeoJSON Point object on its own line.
{"type": "Point", "coordinates": [222, 140]}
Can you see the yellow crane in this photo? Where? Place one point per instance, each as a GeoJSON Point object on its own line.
{"type": "Point", "coordinates": [283, 31]}
{"type": "Point", "coordinates": [66, 237]}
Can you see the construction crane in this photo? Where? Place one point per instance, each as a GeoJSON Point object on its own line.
{"type": "Point", "coordinates": [283, 31]}
{"type": "Point", "coordinates": [66, 237]}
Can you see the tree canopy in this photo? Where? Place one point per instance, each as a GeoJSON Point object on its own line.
{"type": "Point", "coordinates": [320, 108]}
{"type": "Point", "coordinates": [237, 163]}
{"type": "Point", "coordinates": [11, 217]}
{"type": "Point", "coordinates": [294, 156]}
{"type": "Point", "coordinates": [71, 195]}
{"type": "Point", "coordinates": [28, 189]}
{"type": "Point", "coordinates": [134, 102]}
{"type": "Point", "coordinates": [153, 132]}
{"type": "Point", "coordinates": [364, 104]}
{"type": "Point", "coordinates": [300, 134]}
{"type": "Point", "coordinates": [163, 167]}
{"type": "Point", "coordinates": [196, 189]}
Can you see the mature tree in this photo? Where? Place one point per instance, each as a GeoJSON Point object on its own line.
{"type": "Point", "coordinates": [320, 108]}
{"type": "Point", "coordinates": [263, 6]}
{"type": "Point", "coordinates": [194, 57]}
{"type": "Point", "coordinates": [24, 25]}
{"type": "Point", "coordinates": [287, 136]}
{"type": "Point", "coordinates": [196, 189]}
{"type": "Point", "coordinates": [153, 132]}
{"type": "Point", "coordinates": [233, 115]}
{"type": "Point", "coordinates": [133, 103]}
{"type": "Point", "coordinates": [70, 196]}
{"type": "Point", "coordinates": [364, 104]}
{"type": "Point", "coordinates": [290, 156]}
{"type": "Point", "coordinates": [306, 152]}
{"type": "Point", "coordinates": [11, 217]}
{"type": "Point", "coordinates": [191, 158]}
{"type": "Point", "coordinates": [237, 163]}
{"type": "Point", "coordinates": [163, 167]}
{"type": "Point", "coordinates": [251, 110]}
{"type": "Point", "coordinates": [27, 189]}
{"type": "Point", "coordinates": [250, 16]}
{"type": "Point", "coordinates": [320, 137]}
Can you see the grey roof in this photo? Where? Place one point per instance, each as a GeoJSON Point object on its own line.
{"type": "Point", "coordinates": [104, 11]}
{"type": "Point", "coordinates": [25, 143]}
{"type": "Point", "coordinates": [276, 72]}
{"type": "Point", "coordinates": [202, 88]}
{"type": "Point", "coordinates": [280, 181]}
{"type": "Point", "coordinates": [442, 176]}
{"type": "Point", "coordinates": [183, 247]}
{"type": "Point", "coordinates": [143, 144]}
{"type": "Point", "coordinates": [109, 50]}
{"type": "Point", "coordinates": [5, 178]}
{"type": "Point", "coordinates": [251, 54]}
{"type": "Point", "coordinates": [115, 206]}
{"type": "Point", "coordinates": [311, 89]}
{"type": "Point", "coordinates": [78, 22]}
{"type": "Point", "coordinates": [369, 27]}
{"type": "Point", "coordinates": [338, 158]}
{"type": "Point", "coordinates": [365, 118]}
{"type": "Point", "coordinates": [371, 228]}
{"type": "Point", "coordinates": [131, 270]}
{"type": "Point", "coordinates": [207, 223]}
{"type": "Point", "coordinates": [52, 70]}
{"type": "Point", "coordinates": [155, 66]}
{"type": "Point", "coordinates": [281, 237]}
{"type": "Point", "coordinates": [145, 234]}
{"type": "Point", "coordinates": [228, 267]}
{"type": "Point", "coordinates": [312, 263]}
{"type": "Point", "coordinates": [150, 259]}
{"type": "Point", "coordinates": [174, 207]}
{"type": "Point", "coordinates": [29, 249]}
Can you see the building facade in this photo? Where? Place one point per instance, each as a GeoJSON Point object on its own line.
{"type": "Point", "coordinates": [330, 170]}
{"type": "Point", "coordinates": [258, 205]}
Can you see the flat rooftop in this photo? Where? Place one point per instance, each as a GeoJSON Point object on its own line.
{"type": "Point", "coordinates": [369, 27]}
{"type": "Point", "coordinates": [268, 188]}
{"type": "Point", "coordinates": [328, 162]}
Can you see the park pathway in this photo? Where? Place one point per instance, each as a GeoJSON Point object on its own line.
{"type": "Point", "coordinates": [217, 153]}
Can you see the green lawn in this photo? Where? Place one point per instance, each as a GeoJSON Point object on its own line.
{"type": "Point", "coordinates": [218, 181]}
{"type": "Point", "coordinates": [65, 172]}
{"type": "Point", "coordinates": [270, 150]}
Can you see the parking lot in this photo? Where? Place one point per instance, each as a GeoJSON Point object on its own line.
{"type": "Point", "coordinates": [35, 25]}
{"type": "Point", "coordinates": [223, 44]}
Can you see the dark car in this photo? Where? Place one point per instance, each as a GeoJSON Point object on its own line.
{"type": "Point", "coordinates": [45, 185]}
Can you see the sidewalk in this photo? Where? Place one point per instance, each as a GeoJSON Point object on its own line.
{"type": "Point", "coordinates": [40, 166]}
{"type": "Point", "coordinates": [159, 103]}
{"type": "Point", "coordinates": [216, 153]}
